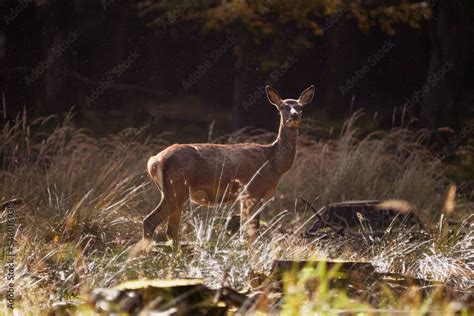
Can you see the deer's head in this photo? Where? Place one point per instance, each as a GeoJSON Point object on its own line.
{"type": "Point", "coordinates": [290, 109]}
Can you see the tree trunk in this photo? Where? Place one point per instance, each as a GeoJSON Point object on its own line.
{"type": "Point", "coordinates": [60, 33]}
{"type": "Point", "coordinates": [447, 63]}
{"type": "Point", "coordinates": [339, 69]}
{"type": "Point", "coordinates": [243, 110]}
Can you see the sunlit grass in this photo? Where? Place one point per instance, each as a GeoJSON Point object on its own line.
{"type": "Point", "coordinates": [85, 199]}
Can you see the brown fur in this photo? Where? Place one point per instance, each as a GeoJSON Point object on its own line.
{"type": "Point", "coordinates": [211, 174]}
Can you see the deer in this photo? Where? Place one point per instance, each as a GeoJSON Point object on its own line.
{"type": "Point", "coordinates": [212, 174]}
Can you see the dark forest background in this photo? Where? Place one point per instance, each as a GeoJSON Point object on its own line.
{"type": "Point", "coordinates": [187, 63]}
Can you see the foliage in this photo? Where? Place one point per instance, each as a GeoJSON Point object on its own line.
{"type": "Point", "coordinates": [277, 23]}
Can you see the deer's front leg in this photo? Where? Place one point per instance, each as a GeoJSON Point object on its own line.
{"type": "Point", "coordinates": [249, 222]}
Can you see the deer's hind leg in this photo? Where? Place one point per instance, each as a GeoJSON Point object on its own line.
{"type": "Point", "coordinates": [152, 220]}
{"type": "Point", "coordinates": [159, 215]}
{"type": "Point", "coordinates": [167, 172]}
{"type": "Point", "coordinates": [175, 202]}
{"type": "Point", "coordinates": [170, 208]}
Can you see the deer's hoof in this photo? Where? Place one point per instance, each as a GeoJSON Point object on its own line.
{"type": "Point", "coordinates": [140, 247]}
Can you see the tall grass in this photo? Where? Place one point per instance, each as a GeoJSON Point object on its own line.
{"type": "Point", "coordinates": [85, 198]}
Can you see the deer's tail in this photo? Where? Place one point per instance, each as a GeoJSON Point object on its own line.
{"type": "Point", "coordinates": [155, 170]}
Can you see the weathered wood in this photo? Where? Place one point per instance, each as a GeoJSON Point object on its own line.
{"type": "Point", "coordinates": [370, 216]}
{"type": "Point", "coordinates": [180, 296]}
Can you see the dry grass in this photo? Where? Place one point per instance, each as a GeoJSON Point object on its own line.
{"type": "Point", "coordinates": [85, 199]}
{"type": "Point", "coordinates": [393, 164]}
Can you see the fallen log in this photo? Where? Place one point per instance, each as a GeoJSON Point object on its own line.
{"type": "Point", "coordinates": [177, 297]}
{"type": "Point", "coordinates": [369, 216]}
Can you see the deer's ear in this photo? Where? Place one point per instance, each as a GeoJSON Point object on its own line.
{"type": "Point", "coordinates": [273, 96]}
{"type": "Point", "coordinates": [307, 95]}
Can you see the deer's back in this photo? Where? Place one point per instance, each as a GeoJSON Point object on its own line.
{"type": "Point", "coordinates": [209, 167]}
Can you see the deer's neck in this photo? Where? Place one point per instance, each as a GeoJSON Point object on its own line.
{"type": "Point", "coordinates": [284, 148]}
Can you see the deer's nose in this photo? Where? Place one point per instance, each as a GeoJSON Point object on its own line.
{"type": "Point", "coordinates": [294, 115]}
